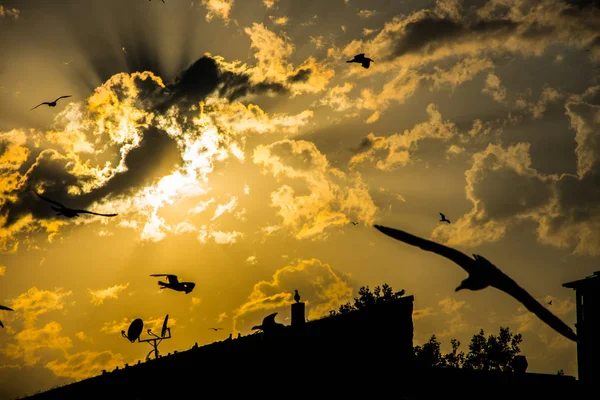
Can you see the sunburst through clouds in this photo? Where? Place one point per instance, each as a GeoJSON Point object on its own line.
{"type": "Point", "coordinates": [242, 152]}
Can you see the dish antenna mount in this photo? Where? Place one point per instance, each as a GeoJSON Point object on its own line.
{"type": "Point", "coordinates": [136, 328]}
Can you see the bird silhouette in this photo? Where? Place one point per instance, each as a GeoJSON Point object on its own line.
{"type": "Point", "coordinates": [400, 293]}
{"type": "Point", "coordinates": [174, 284]}
{"type": "Point", "coordinates": [296, 296]}
{"type": "Point", "coordinates": [550, 303]}
{"type": "Point", "coordinates": [354, 223]}
{"type": "Point", "coordinates": [268, 324]}
{"type": "Point", "coordinates": [216, 329]}
{"type": "Point", "coordinates": [50, 103]}
{"type": "Point", "coordinates": [70, 212]}
{"type": "Point", "coordinates": [7, 309]}
{"type": "Point", "coordinates": [482, 274]}
{"type": "Point", "coordinates": [361, 59]}
{"type": "Point", "coordinates": [444, 218]}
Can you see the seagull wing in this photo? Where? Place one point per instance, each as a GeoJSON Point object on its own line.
{"type": "Point", "coordinates": [269, 319]}
{"type": "Point", "coordinates": [61, 97]}
{"type": "Point", "coordinates": [50, 201]}
{"type": "Point", "coordinates": [6, 308]}
{"type": "Point", "coordinates": [359, 55]}
{"type": "Point", "coordinates": [458, 257]}
{"type": "Point", "coordinates": [172, 278]}
{"type": "Point", "coordinates": [41, 104]}
{"type": "Point", "coordinates": [509, 286]}
{"type": "Point", "coordinates": [95, 213]}
{"type": "Point", "coordinates": [1, 324]}
{"type": "Point", "coordinates": [443, 216]}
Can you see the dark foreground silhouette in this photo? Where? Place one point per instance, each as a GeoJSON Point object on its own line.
{"type": "Point", "coordinates": [174, 284]}
{"type": "Point", "coordinates": [368, 350]}
{"type": "Point", "coordinates": [482, 274]}
{"type": "Point", "coordinates": [362, 60]}
{"type": "Point", "coordinates": [444, 218]}
{"type": "Point", "coordinates": [7, 309]}
{"type": "Point", "coordinates": [50, 103]}
{"type": "Point", "coordinates": [70, 212]}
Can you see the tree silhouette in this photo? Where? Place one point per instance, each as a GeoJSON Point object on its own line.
{"type": "Point", "coordinates": [366, 298]}
{"type": "Point", "coordinates": [494, 353]}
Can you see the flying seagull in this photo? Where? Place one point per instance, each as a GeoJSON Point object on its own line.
{"type": "Point", "coordinates": [216, 329]}
{"type": "Point", "coordinates": [268, 324]}
{"type": "Point", "coordinates": [69, 212]}
{"type": "Point", "coordinates": [50, 103]}
{"type": "Point", "coordinates": [444, 218]}
{"type": "Point", "coordinates": [550, 303]}
{"type": "Point", "coordinates": [361, 59]}
{"type": "Point", "coordinates": [354, 223]}
{"type": "Point", "coordinates": [7, 309]}
{"type": "Point", "coordinates": [482, 274]}
{"type": "Point", "coordinates": [174, 284]}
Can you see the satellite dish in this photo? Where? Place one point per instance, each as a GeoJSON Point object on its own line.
{"type": "Point", "coordinates": [135, 330]}
{"type": "Point", "coordinates": [163, 331]}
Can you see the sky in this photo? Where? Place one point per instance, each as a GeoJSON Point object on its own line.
{"type": "Point", "coordinates": [237, 147]}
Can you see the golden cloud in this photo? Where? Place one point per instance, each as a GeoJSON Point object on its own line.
{"type": "Point", "coordinates": [333, 195]}
{"type": "Point", "coordinates": [98, 296]}
{"type": "Point", "coordinates": [320, 287]}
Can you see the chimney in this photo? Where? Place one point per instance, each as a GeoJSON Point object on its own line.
{"type": "Point", "coordinates": [298, 314]}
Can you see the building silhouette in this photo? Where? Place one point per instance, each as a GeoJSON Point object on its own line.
{"type": "Point", "coordinates": [366, 352]}
{"type": "Point", "coordinates": [587, 300]}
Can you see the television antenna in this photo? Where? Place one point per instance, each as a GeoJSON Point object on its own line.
{"type": "Point", "coordinates": [136, 328]}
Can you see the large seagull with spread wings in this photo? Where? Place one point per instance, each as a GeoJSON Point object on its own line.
{"type": "Point", "coordinates": [482, 274]}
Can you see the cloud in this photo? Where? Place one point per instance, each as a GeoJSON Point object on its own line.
{"type": "Point", "coordinates": [98, 296]}
{"type": "Point", "coordinates": [96, 154]}
{"type": "Point", "coordinates": [35, 302]}
{"type": "Point", "coordinates": [2, 270]}
{"type": "Point", "coordinates": [279, 20]}
{"type": "Point", "coordinates": [333, 196]}
{"type": "Point", "coordinates": [501, 185]}
{"type": "Point", "coordinates": [85, 364]}
{"type": "Point", "coordinates": [222, 317]}
{"type": "Point", "coordinates": [505, 189]}
{"type": "Point", "coordinates": [272, 53]}
{"type": "Point", "coordinates": [410, 46]}
{"type": "Point", "coordinates": [34, 344]}
{"type": "Point", "coordinates": [320, 287]}
{"type": "Point", "coordinates": [366, 14]}
{"type": "Point", "coordinates": [269, 3]}
{"type": "Point", "coordinates": [400, 146]}
{"type": "Point", "coordinates": [9, 12]}
{"type": "Point", "coordinates": [115, 327]}
{"type": "Point", "coordinates": [218, 8]}
{"type": "Point", "coordinates": [252, 260]}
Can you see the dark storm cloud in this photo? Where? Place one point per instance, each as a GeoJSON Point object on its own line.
{"type": "Point", "coordinates": [365, 144]}
{"type": "Point", "coordinates": [204, 77]}
{"type": "Point", "coordinates": [435, 31]}
{"type": "Point", "coordinates": [156, 156]}
{"type": "Point", "coordinates": [301, 76]}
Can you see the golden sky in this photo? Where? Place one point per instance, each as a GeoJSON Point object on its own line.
{"type": "Point", "coordinates": [237, 146]}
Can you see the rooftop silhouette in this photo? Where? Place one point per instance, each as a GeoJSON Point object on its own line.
{"type": "Point", "coordinates": [365, 349]}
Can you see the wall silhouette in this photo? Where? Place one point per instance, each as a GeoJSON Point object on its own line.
{"type": "Point", "coordinates": [587, 300]}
